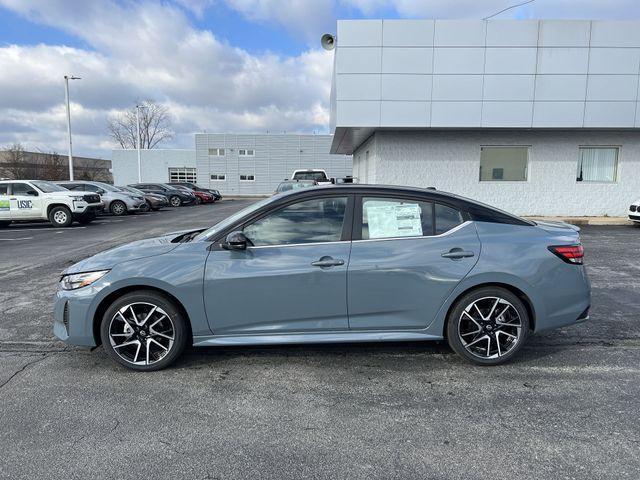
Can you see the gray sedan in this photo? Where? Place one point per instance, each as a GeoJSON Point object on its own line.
{"type": "Point", "coordinates": [348, 263]}
{"type": "Point", "coordinates": [115, 201]}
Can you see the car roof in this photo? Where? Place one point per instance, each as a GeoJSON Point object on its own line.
{"type": "Point", "coordinates": [476, 210]}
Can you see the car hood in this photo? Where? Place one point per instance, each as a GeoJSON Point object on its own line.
{"type": "Point", "coordinates": [130, 251]}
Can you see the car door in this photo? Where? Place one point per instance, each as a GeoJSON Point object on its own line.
{"type": "Point", "coordinates": [291, 279]}
{"type": "Point", "coordinates": [25, 201]}
{"type": "Point", "coordinates": [5, 204]}
{"type": "Point", "coordinates": [407, 255]}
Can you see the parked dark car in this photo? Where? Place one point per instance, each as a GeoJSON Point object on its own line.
{"type": "Point", "coordinates": [193, 186]}
{"type": "Point", "coordinates": [201, 197]}
{"type": "Point", "coordinates": [176, 197]}
{"type": "Point", "coordinates": [154, 201]}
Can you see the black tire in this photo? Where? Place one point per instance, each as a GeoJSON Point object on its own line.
{"type": "Point", "coordinates": [198, 201]}
{"type": "Point", "coordinates": [175, 201]}
{"type": "Point", "coordinates": [60, 217]}
{"type": "Point", "coordinates": [118, 208]}
{"type": "Point", "coordinates": [145, 207]}
{"type": "Point", "coordinates": [4, 223]}
{"type": "Point", "coordinates": [515, 313]}
{"type": "Point", "coordinates": [180, 330]}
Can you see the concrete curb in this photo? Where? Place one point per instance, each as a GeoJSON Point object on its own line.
{"type": "Point", "coordinates": [586, 220]}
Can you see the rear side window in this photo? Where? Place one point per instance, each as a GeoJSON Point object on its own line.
{"type": "Point", "coordinates": [393, 218]}
{"type": "Point", "coordinates": [21, 188]}
{"type": "Point", "coordinates": [446, 218]}
{"type": "Point", "coordinates": [4, 188]}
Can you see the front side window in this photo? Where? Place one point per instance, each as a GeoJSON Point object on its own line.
{"type": "Point", "coordinates": [4, 188]}
{"type": "Point", "coordinates": [393, 218]}
{"type": "Point", "coordinates": [311, 221]}
{"type": "Point", "coordinates": [597, 164]}
{"type": "Point", "coordinates": [503, 164]}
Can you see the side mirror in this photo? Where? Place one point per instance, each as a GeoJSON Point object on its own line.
{"type": "Point", "coordinates": [101, 191]}
{"type": "Point", "coordinates": [235, 241]}
{"type": "Point", "coordinates": [32, 193]}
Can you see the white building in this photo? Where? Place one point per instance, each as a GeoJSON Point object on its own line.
{"type": "Point", "coordinates": [255, 164]}
{"type": "Point", "coordinates": [535, 117]}
{"type": "Point", "coordinates": [235, 164]}
{"type": "Point", "coordinates": [157, 165]}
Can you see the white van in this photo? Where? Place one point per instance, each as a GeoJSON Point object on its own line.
{"type": "Point", "coordinates": [38, 200]}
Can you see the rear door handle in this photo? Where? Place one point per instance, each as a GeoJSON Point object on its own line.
{"type": "Point", "coordinates": [327, 262]}
{"type": "Point", "coordinates": [457, 253]}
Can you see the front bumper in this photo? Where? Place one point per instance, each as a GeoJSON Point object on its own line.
{"type": "Point", "coordinates": [135, 205]}
{"type": "Point", "coordinates": [634, 216]}
{"type": "Point", "coordinates": [72, 320]}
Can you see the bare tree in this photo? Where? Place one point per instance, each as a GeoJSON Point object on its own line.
{"type": "Point", "coordinates": [54, 167]}
{"type": "Point", "coordinates": [15, 164]}
{"type": "Point", "coordinates": [155, 126]}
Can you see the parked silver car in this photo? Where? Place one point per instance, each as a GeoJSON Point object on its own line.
{"type": "Point", "coordinates": [115, 201]}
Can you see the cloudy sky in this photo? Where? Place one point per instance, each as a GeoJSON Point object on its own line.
{"type": "Point", "coordinates": [219, 65]}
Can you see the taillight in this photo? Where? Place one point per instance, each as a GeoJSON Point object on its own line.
{"type": "Point", "coordinates": [569, 253]}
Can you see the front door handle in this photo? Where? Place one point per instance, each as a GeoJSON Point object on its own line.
{"type": "Point", "coordinates": [327, 262]}
{"type": "Point", "coordinates": [457, 253]}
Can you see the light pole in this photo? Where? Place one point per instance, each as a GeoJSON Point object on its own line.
{"type": "Point", "coordinates": [66, 96]}
{"type": "Point", "coordinates": [139, 141]}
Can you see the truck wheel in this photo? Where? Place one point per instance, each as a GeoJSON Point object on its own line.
{"type": "Point", "coordinates": [60, 217]}
{"type": "Point", "coordinates": [118, 208]}
{"type": "Point", "coordinates": [5, 223]}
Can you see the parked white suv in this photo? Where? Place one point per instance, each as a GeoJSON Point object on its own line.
{"type": "Point", "coordinates": [634, 212]}
{"type": "Point", "coordinates": [35, 200]}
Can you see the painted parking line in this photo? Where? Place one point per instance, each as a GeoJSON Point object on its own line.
{"type": "Point", "coordinates": [15, 239]}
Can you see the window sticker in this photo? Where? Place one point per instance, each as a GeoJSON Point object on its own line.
{"type": "Point", "coordinates": [4, 205]}
{"type": "Point", "coordinates": [388, 219]}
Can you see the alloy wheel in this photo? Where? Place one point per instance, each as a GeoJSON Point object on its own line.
{"type": "Point", "coordinates": [489, 327]}
{"type": "Point", "coordinates": [118, 208]}
{"type": "Point", "coordinates": [175, 201]}
{"type": "Point", "coordinates": [141, 333]}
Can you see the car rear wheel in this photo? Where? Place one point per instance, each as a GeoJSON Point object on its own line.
{"type": "Point", "coordinates": [144, 331]}
{"type": "Point", "coordinates": [118, 208]}
{"type": "Point", "coordinates": [175, 201]}
{"type": "Point", "coordinates": [60, 217]}
{"type": "Point", "coordinates": [488, 326]}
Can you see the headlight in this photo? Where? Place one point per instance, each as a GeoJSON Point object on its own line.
{"type": "Point", "coordinates": [79, 280]}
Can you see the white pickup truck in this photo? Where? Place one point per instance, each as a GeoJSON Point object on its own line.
{"type": "Point", "coordinates": [38, 200]}
{"type": "Point", "coordinates": [316, 174]}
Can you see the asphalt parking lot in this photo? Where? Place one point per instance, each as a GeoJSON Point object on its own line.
{"type": "Point", "coordinates": [567, 407]}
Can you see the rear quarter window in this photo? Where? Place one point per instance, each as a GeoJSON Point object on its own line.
{"type": "Point", "coordinates": [446, 218]}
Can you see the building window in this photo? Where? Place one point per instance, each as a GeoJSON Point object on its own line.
{"type": "Point", "coordinates": [597, 164]}
{"type": "Point", "coordinates": [216, 152]}
{"type": "Point", "coordinates": [247, 178]}
{"type": "Point", "coordinates": [185, 174]}
{"type": "Point", "coordinates": [499, 164]}
{"type": "Point", "coordinates": [246, 152]}
{"type": "Point", "coordinates": [219, 177]}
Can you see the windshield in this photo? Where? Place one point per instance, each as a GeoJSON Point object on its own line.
{"type": "Point", "coordinates": [233, 218]}
{"type": "Point", "coordinates": [317, 176]}
{"type": "Point", "coordinates": [48, 187]}
{"type": "Point", "coordinates": [107, 187]}
{"type": "Point", "coordinates": [286, 186]}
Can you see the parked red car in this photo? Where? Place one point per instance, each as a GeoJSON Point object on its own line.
{"type": "Point", "coordinates": [201, 197]}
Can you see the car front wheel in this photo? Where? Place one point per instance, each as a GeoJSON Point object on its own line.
{"type": "Point", "coordinates": [175, 201]}
{"type": "Point", "coordinates": [60, 217]}
{"type": "Point", "coordinates": [144, 331]}
{"type": "Point", "coordinates": [488, 326]}
{"type": "Point", "coordinates": [118, 208]}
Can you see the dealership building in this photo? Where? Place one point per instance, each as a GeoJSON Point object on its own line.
{"type": "Point", "coordinates": [234, 164]}
{"type": "Point", "coordinates": [535, 117]}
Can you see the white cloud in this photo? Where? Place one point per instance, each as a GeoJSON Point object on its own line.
{"type": "Point", "coordinates": [150, 50]}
